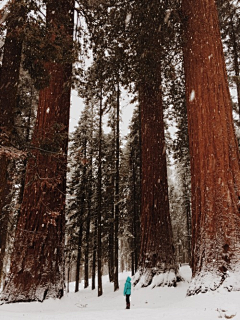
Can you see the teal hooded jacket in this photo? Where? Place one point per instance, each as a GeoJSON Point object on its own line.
{"type": "Point", "coordinates": [127, 287]}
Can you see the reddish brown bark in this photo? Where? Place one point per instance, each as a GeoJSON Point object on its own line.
{"type": "Point", "coordinates": [5, 188]}
{"type": "Point", "coordinates": [157, 253]}
{"type": "Point", "coordinates": [157, 258]}
{"type": "Point", "coordinates": [37, 265]}
{"type": "Point", "coordinates": [9, 79]}
{"type": "Point", "coordinates": [214, 152]}
{"type": "Point", "coordinates": [9, 76]}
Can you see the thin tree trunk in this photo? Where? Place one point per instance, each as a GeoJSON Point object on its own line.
{"type": "Point", "coordinates": [90, 201]}
{"type": "Point", "coordinates": [81, 217]}
{"type": "Point", "coordinates": [133, 220]}
{"type": "Point", "coordinates": [116, 200]}
{"type": "Point", "coordinates": [187, 207]}
{"type": "Point", "coordinates": [214, 153]}
{"type": "Point", "coordinates": [94, 254]}
{"type": "Point", "coordinates": [99, 208]}
{"type": "Point", "coordinates": [37, 265]}
{"type": "Point", "coordinates": [86, 260]}
{"type": "Point", "coordinates": [68, 278]}
{"type": "Point", "coordinates": [189, 237]}
{"type": "Point", "coordinates": [132, 263]}
{"type": "Point", "coordinates": [111, 248]}
{"type": "Point", "coordinates": [79, 255]}
{"type": "Point", "coordinates": [68, 267]}
{"type": "Point", "coordinates": [88, 220]}
{"type": "Point", "coordinates": [135, 215]}
{"type": "Point", "coordinates": [111, 231]}
{"type": "Point", "coordinates": [111, 226]}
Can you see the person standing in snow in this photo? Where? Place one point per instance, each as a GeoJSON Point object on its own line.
{"type": "Point", "coordinates": [127, 292]}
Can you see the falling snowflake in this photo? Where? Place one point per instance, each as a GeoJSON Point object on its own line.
{"type": "Point", "coordinates": [192, 96]}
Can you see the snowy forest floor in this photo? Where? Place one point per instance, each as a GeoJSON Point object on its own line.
{"type": "Point", "coordinates": [146, 303]}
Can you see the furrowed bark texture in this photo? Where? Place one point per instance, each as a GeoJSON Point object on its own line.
{"type": "Point", "coordinates": [9, 76]}
{"type": "Point", "coordinates": [156, 259]}
{"type": "Point", "coordinates": [37, 266]}
{"type": "Point", "coordinates": [214, 153]}
{"type": "Point", "coordinates": [156, 254]}
{"type": "Point", "coordinates": [9, 79]}
{"type": "Point", "coordinates": [5, 191]}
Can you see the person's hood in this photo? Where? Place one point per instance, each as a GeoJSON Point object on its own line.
{"type": "Point", "coordinates": [128, 279]}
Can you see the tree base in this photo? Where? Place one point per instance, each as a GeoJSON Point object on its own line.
{"type": "Point", "coordinates": [39, 294]}
{"type": "Point", "coordinates": [209, 281]}
{"type": "Point", "coordinates": [156, 278]}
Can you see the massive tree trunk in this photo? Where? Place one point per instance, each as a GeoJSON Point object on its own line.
{"type": "Point", "coordinates": [9, 79]}
{"type": "Point", "coordinates": [157, 263]}
{"type": "Point", "coordinates": [37, 266]}
{"type": "Point", "coordinates": [9, 76]}
{"type": "Point", "coordinates": [214, 153]}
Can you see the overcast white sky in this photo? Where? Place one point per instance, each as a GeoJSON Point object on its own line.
{"type": "Point", "coordinates": [77, 106]}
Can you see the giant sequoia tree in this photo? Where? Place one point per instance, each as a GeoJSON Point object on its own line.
{"type": "Point", "coordinates": [157, 253]}
{"type": "Point", "coordinates": [157, 256]}
{"type": "Point", "coordinates": [214, 153]}
{"type": "Point", "coordinates": [37, 266]}
{"type": "Point", "coordinates": [9, 79]}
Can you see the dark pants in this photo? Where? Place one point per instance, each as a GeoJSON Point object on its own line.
{"type": "Point", "coordinates": [128, 301]}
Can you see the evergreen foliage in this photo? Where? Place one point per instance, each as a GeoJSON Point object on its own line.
{"type": "Point", "coordinates": [229, 14]}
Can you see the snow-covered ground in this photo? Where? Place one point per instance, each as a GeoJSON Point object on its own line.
{"type": "Point", "coordinates": [146, 303]}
